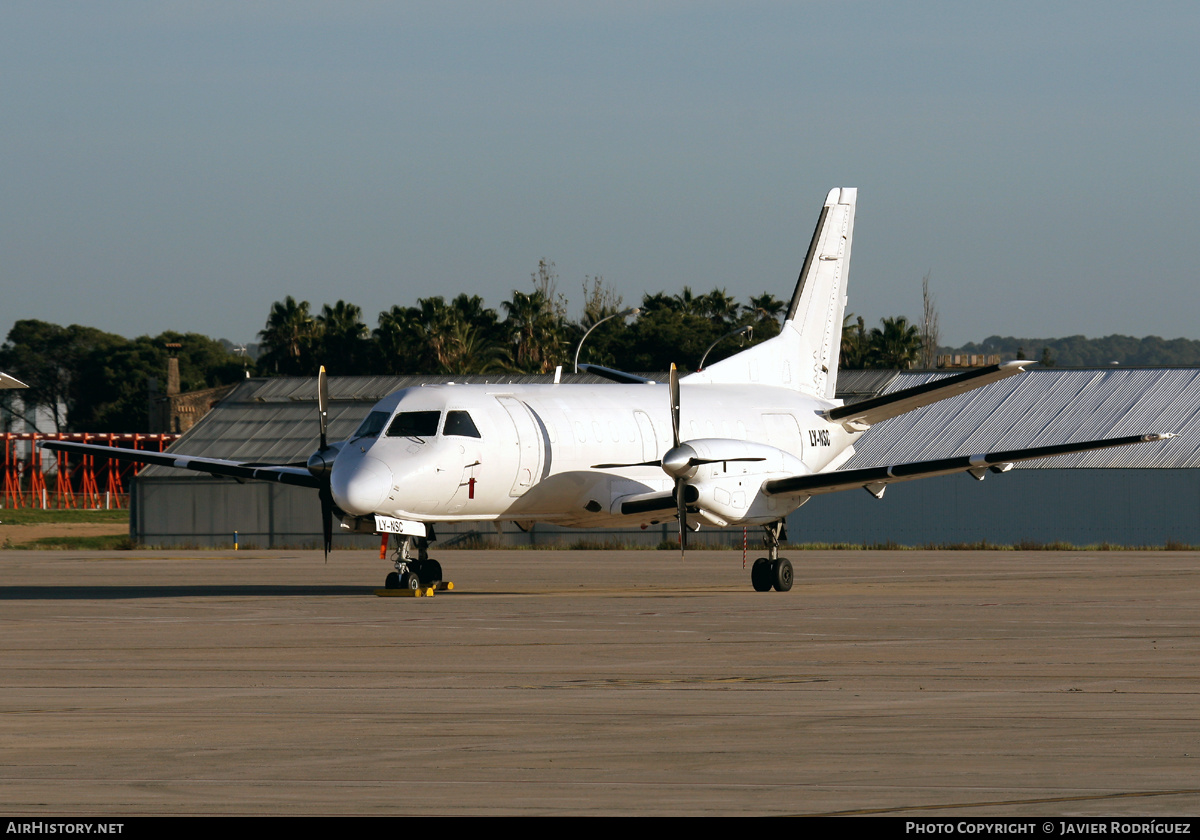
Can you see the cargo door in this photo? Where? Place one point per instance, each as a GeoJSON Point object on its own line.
{"type": "Point", "coordinates": [528, 442]}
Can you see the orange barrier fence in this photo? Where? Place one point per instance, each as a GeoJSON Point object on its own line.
{"type": "Point", "coordinates": [39, 479]}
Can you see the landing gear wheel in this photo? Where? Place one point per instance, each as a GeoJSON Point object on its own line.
{"type": "Point", "coordinates": [431, 572]}
{"type": "Point", "coordinates": [409, 580]}
{"type": "Point", "coordinates": [761, 575]}
{"type": "Point", "coordinates": [781, 575]}
{"type": "Point", "coordinates": [392, 581]}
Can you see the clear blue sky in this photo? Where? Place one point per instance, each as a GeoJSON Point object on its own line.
{"type": "Point", "coordinates": [183, 165]}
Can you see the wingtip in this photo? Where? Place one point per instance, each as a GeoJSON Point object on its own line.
{"type": "Point", "coordinates": [1162, 436]}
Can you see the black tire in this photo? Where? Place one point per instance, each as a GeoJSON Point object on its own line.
{"type": "Point", "coordinates": [431, 572]}
{"type": "Point", "coordinates": [392, 581]}
{"type": "Point", "coordinates": [781, 575]}
{"type": "Point", "coordinates": [760, 575]}
{"type": "Point", "coordinates": [409, 580]}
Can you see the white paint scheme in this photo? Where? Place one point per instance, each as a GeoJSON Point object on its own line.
{"type": "Point", "coordinates": [545, 472]}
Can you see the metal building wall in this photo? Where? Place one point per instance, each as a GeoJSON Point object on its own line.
{"type": "Point", "coordinates": [205, 512]}
{"type": "Point", "coordinates": [1078, 506]}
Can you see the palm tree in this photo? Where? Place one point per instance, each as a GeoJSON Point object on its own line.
{"type": "Point", "coordinates": [286, 340]}
{"type": "Point", "coordinates": [342, 338]}
{"type": "Point", "coordinates": [897, 345]}
{"type": "Point", "coordinates": [537, 332]}
{"type": "Point", "coordinates": [767, 305]}
{"type": "Point", "coordinates": [856, 345]}
{"type": "Point", "coordinates": [719, 307]}
{"type": "Point", "coordinates": [395, 341]}
{"type": "Point", "coordinates": [468, 350]}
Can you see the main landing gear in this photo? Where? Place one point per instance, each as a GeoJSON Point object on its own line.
{"type": "Point", "coordinates": [772, 571]}
{"type": "Point", "coordinates": [413, 573]}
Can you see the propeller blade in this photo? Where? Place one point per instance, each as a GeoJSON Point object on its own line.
{"type": "Point", "coordinates": [674, 405]}
{"type": "Point", "coordinates": [323, 404]}
{"type": "Point", "coordinates": [327, 518]}
{"type": "Point", "coordinates": [699, 462]}
{"type": "Point", "coordinates": [325, 493]}
{"type": "Point", "coordinates": [618, 466]}
{"type": "Point", "coordinates": [680, 486]}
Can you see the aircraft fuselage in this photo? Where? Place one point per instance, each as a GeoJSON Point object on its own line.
{"type": "Point", "coordinates": [529, 452]}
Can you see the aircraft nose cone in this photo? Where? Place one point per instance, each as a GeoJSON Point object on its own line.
{"type": "Point", "coordinates": [360, 486]}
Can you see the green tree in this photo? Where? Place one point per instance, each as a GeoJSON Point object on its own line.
{"type": "Point", "coordinates": [766, 306]}
{"type": "Point", "coordinates": [895, 344]}
{"type": "Point", "coordinates": [51, 360]}
{"type": "Point", "coordinates": [113, 395]}
{"type": "Point", "coordinates": [461, 337]}
{"type": "Point", "coordinates": [856, 346]}
{"type": "Point", "coordinates": [606, 342]}
{"type": "Point", "coordinates": [341, 339]}
{"type": "Point", "coordinates": [537, 332]}
{"type": "Point", "coordinates": [286, 342]}
{"type": "Point", "coordinates": [395, 341]}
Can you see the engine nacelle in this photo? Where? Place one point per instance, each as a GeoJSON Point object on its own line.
{"type": "Point", "coordinates": [729, 484]}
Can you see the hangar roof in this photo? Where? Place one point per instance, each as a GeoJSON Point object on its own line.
{"type": "Point", "coordinates": [1046, 406]}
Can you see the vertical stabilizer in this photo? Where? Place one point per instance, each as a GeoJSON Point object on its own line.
{"type": "Point", "coordinates": [804, 356]}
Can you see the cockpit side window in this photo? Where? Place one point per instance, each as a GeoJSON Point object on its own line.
{"type": "Point", "coordinates": [415, 424]}
{"type": "Point", "coordinates": [460, 423]}
{"type": "Point", "coordinates": [373, 425]}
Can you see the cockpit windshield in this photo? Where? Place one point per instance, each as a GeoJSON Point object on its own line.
{"type": "Point", "coordinates": [373, 425]}
{"type": "Point", "coordinates": [419, 424]}
{"type": "Point", "coordinates": [460, 423]}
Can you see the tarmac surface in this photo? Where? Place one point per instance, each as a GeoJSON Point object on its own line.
{"type": "Point", "coordinates": [589, 682]}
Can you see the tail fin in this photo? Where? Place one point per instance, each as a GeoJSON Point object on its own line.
{"type": "Point", "coordinates": [804, 356]}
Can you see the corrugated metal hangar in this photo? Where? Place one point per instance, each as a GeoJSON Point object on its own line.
{"type": "Point", "coordinates": [1139, 495]}
{"type": "Point", "coordinates": [1146, 494]}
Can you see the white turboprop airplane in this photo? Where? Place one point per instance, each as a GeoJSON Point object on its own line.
{"type": "Point", "coordinates": [744, 442]}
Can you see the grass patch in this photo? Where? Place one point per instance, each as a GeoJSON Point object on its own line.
{"type": "Point", "coordinates": [109, 542]}
{"type": "Point", "coordinates": [38, 516]}
{"type": "Point", "coordinates": [598, 545]}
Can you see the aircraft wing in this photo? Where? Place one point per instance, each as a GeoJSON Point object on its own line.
{"type": "Point", "coordinates": [876, 479]}
{"type": "Point", "coordinates": [7, 381]}
{"type": "Point", "coordinates": [862, 415]}
{"type": "Point", "coordinates": [282, 473]}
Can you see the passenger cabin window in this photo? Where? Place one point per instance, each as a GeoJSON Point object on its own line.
{"type": "Point", "coordinates": [415, 424]}
{"type": "Point", "coordinates": [373, 425]}
{"type": "Point", "coordinates": [460, 423]}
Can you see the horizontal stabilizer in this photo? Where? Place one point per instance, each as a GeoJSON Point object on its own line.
{"type": "Point", "coordinates": [876, 478]}
{"type": "Point", "coordinates": [862, 415]}
{"type": "Point", "coordinates": [617, 375]}
{"type": "Point", "coordinates": [284, 474]}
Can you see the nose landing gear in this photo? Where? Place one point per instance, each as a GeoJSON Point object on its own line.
{"type": "Point", "coordinates": [415, 573]}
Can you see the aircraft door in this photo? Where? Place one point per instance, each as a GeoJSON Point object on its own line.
{"type": "Point", "coordinates": [783, 432]}
{"type": "Point", "coordinates": [529, 444]}
{"type": "Point", "coordinates": [646, 433]}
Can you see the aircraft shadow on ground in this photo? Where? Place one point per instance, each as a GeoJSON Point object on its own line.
{"type": "Point", "coordinates": [115, 593]}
